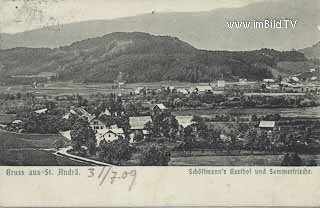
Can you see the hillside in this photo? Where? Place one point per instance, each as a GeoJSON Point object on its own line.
{"type": "Point", "coordinates": [141, 57]}
{"type": "Point", "coordinates": [205, 30]}
{"type": "Point", "coordinates": [312, 52]}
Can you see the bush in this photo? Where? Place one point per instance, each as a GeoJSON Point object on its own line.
{"type": "Point", "coordinates": [155, 156]}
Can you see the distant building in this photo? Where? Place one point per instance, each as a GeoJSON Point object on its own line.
{"type": "Point", "coordinates": [159, 108]}
{"type": "Point", "coordinates": [41, 111]}
{"type": "Point", "coordinates": [267, 125]}
{"type": "Point", "coordinates": [269, 81]}
{"type": "Point", "coordinates": [221, 84]}
{"type": "Point", "coordinates": [183, 91]}
{"type": "Point", "coordinates": [201, 89]}
{"type": "Point", "coordinates": [138, 90]}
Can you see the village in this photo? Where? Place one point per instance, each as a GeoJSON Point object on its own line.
{"type": "Point", "coordinates": [163, 125]}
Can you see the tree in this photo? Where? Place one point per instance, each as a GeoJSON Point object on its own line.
{"type": "Point", "coordinates": [83, 135]}
{"type": "Point", "coordinates": [155, 156]}
{"type": "Point", "coordinates": [116, 151]}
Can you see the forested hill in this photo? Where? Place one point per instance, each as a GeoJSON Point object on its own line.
{"type": "Point", "coordinates": [141, 57]}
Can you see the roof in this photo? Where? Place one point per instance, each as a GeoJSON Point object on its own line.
{"type": "Point", "coordinates": [268, 80]}
{"type": "Point", "coordinates": [184, 121]}
{"type": "Point", "coordinates": [66, 134]}
{"type": "Point", "coordinates": [161, 106]}
{"type": "Point", "coordinates": [115, 131]}
{"type": "Point", "coordinates": [105, 112]}
{"type": "Point", "coordinates": [267, 124]}
{"type": "Point", "coordinates": [139, 122]}
{"type": "Point", "coordinates": [41, 111]}
{"type": "Point", "coordinates": [16, 121]}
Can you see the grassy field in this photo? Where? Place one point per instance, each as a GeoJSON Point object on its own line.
{"type": "Point", "coordinates": [12, 140]}
{"type": "Point", "coordinates": [312, 112]}
{"type": "Point", "coordinates": [239, 160]}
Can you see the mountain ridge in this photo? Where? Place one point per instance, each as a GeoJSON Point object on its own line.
{"type": "Point", "coordinates": [141, 57]}
{"type": "Point", "coordinates": [205, 30]}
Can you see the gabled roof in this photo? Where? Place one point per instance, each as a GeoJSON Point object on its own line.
{"type": "Point", "coordinates": [184, 121]}
{"type": "Point", "coordinates": [105, 112]}
{"type": "Point", "coordinates": [267, 124]}
{"type": "Point", "coordinates": [161, 106]}
{"type": "Point", "coordinates": [139, 122]}
{"type": "Point", "coordinates": [41, 111]}
{"type": "Point", "coordinates": [115, 131]}
{"type": "Point", "coordinates": [66, 134]}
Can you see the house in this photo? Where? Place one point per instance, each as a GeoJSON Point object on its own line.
{"type": "Point", "coordinates": [41, 111]}
{"type": "Point", "coordinates": [79, 112]}
{"type": "Point", "coordinates": [138, 90]}
{"type": "Point", "coordinates": [110, 135]}
{"type": "Point", "coordinates": [221, 84]}
{"type": "Point", "coordinates": [268, 80]}
{"type": "Point", "coordinates": [97, 125]}
{"type": "Point", "coordinates": [137, 125]}
{"type": "Point", "coordinates": [183, 91]}
{"type": "Point", "coordinates": [158, 108]}
{"type": "Point", "coordinates": [267, 125]}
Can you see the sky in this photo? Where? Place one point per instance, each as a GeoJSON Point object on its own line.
{"type": "Point", "coordinates": [22, 15]}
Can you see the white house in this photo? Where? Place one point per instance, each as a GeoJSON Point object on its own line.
{"type": "Point", "coordinates": [221, 84]}
{"type": "Point", "coordinates": [97, 125]}
{"type": "Point", "coordinates": [110, 135]}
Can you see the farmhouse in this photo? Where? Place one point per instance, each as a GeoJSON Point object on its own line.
{"type": "Point", "coordinates": [137, 126]}
{"type": "Point", "coordinates": [110, 135]}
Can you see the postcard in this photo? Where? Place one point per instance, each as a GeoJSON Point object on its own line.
{"type": "Point", "coordinates": [159, 103]}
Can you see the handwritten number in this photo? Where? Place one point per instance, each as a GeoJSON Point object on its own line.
{"type": "Point", "coordinates": [91, 172]}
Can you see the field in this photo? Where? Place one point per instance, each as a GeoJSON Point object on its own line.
{"type": "Point", "coordinates": [239, 160]}
{"type": "Point", "coordinates": [310, 112]}
{"type": "Point", "coordinates": [29, 149]}
{"type": "Point", "coordinates": [12, 140]}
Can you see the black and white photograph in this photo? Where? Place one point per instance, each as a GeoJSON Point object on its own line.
{"type": "Point", "coordinates": [160, 83]}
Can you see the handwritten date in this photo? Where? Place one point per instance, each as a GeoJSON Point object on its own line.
{"type": "Point", "coordinates": [107, 173]}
